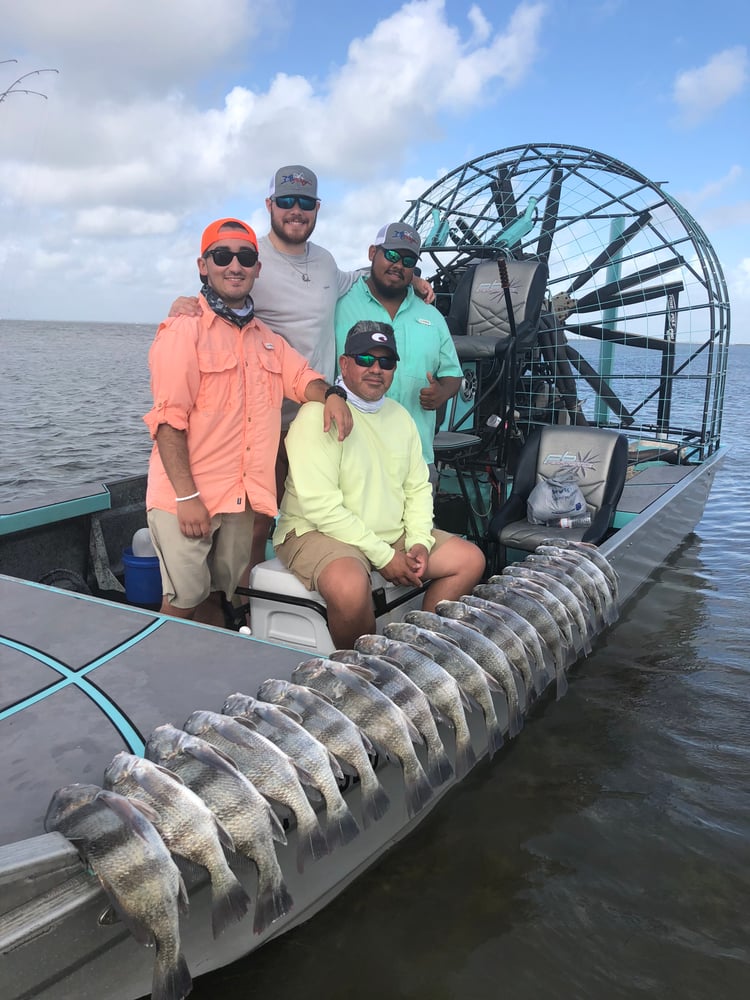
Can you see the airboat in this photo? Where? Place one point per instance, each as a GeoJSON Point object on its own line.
{"type": "Point", "coordinates": [582, 298]}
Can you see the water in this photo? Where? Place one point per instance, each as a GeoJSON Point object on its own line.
{"type": "Point", "coordinates": [605, 854]}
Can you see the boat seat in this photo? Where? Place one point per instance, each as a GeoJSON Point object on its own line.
{"type": "Point", "coordinates": [283, 610]}
{"type": "Point", "coordinates": [598, 460]}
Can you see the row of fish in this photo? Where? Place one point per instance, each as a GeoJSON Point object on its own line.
{"type": "Point", "coordinates": [220, 784]}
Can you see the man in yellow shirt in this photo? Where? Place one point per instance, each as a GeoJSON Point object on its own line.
{"type": "Point", "coordinates": [366, 502]}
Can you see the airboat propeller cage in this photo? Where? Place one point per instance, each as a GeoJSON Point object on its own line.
{"type": "Point", "coordinates": [624, 266]}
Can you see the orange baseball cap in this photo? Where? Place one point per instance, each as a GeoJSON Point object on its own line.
{"type": "Point", "coordinates": [238, 231]}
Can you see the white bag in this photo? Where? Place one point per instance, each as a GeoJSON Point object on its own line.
{"type": "Point", "coordinates": [552, 499]}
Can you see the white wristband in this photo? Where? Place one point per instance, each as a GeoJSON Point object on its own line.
{"type": "Point", "coordinates": [191, 497]}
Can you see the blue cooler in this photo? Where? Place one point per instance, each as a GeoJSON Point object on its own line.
{"type": "Point", "coordinates": [142, 579]}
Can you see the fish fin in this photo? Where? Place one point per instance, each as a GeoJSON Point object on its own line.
{"type": "Point", "coordinates": [439, 767]}
{"type": "Point", "coordinates": [211, 756]}
{"type": "Point", "coordinates": [495, 739]}
{"type": "Point", "coordinates": [335, 767]}
{"type": "Point", "coordinates": [172, 980]}
{"type": "Point", "coordinates": [277, 827]}
{"type": "Point", "coordinates": [273, 901]}
{"type": "Point", "coordinates": [465, 758]}
{"type": "Point", "coordinates": [492, 684]}
{"type": "Point", "coordinates": [414, 734]}
{"type": "Point", "coordinates": [364, 672]}
{"type": "Point", "coordinates": [245, 721]}
{"type": "Point", "coordinates": [561, 681]}
{"type": "Point", "coordinates": [168, 773]}
{"type": "Point", "coordinates": [367, 743]}
{"type": "Point", "coordinates": [294, 716]}
{"type": "Point", "coordinates": [342, 826]}
{"type": "Point", "coordinates": [465, 700]}
{"type": "Point", "coordinates": [229, 904]}
{"type": "Point", "coordinates": [225, 837]}
{"type": "Point", "coordinates": [302, 773]}
{"type": "Point", "coordinates": [109, 916]}
{"type": "Point", "coordinates": [375, 803]}
{"type": "Point", "coordinates": [126, 809]}
{"type": "Point", "coordinates": [311, 843]}
{"type": "Point", "coordinates": [515, 719]}
{"type": "Point", "coordinates": [183, 900]}
{"type": "Point", "coordinates": [418, 790]}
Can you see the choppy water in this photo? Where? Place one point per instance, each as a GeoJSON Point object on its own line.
{"type": "Point", "coordinates": [605, 854]}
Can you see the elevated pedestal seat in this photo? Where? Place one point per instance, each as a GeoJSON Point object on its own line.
{"type": "Point", "coordinates": [282, 610]}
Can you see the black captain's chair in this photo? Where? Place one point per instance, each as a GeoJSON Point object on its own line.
{"type": "Point", "coordinates": [485, 336]}
{"type": "Point", "coordinates": [487, 342]}
{"type": "Point", "coordinates": [598, 460]}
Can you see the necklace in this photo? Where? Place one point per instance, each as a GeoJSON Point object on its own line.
{"type": "Point", "coordinates": [289, 258]}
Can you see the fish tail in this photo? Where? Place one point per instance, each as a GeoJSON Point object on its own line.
{"type": "Point", "coordinates": [342, 826]}
{"type": "Point", "coordinates": [515, 716]}
{"type": "Point", "coordinates": [273, 901]}
{"type": "Point", "coordinates": [495, 739]}
{"type": "Point", "coordinates": [465, 756]}
{"type": "Point", "coordinates": [417, 788]}
{"type": "Point", "coordinates": [561, 679]}
{"type": "Point", "coordinates": [375, 801]}
{"type": "Point", "coordinates": [229, 903]}
{"type": "Point", "coordinates": [439, 767]}
{"type": "Point", "coordinates": [172, 979]}
{"type": "Point", "coordinates": [311, 841]}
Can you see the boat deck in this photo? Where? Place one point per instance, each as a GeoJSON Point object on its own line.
{"type": "Point", "coordinates": [94, 684]}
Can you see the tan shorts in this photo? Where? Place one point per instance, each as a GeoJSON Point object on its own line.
{"type": "Point", "coordinates": [193, 568]}
{"type": "Point", "coordinates": [308, 555]}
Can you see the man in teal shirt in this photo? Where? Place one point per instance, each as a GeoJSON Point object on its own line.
{"type": "Point", "coordinates": [429, 373]}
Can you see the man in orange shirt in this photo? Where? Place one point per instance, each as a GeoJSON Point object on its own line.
{"type": "Point", "coordinates": [218, 382]}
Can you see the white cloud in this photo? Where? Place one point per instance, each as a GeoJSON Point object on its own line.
{"type": "Point", "coordinates": [129, 156]}
{"type": "Point", "coordinates": [701, 91]}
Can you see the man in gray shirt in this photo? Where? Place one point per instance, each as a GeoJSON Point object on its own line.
{"type": "Point", "coordinates": [295, 294]}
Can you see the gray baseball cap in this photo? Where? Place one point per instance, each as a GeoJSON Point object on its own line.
{"type": "Point", "coordinates": [398, 236]}
{"type": "Point", "coordinates": [293, 179]}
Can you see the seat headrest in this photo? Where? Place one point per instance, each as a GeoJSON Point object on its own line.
{"type": "Point", "coordinates": [478, 306]}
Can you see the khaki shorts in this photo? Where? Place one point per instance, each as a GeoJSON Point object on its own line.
{"type": "Point", "coordinates": [308, 555]}
{"type": "Point", "coordinates": [193, 568]}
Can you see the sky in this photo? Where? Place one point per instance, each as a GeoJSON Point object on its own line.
{"type": "Point", "coordinates": [159, 116]}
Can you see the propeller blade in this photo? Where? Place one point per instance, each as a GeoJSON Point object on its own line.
{"type": "Point", "coordinates": [549, 221]}
{"type": "Point", "coordinates": [637, 278]}
{"type": "Point", "coordinates": [593, 302]}
{"type": "Point", "coordinates": [503, 197]}
{"type": "Point", "coordinates": [610, 252]}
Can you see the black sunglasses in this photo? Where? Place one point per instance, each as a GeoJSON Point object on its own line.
{"type": "Point", "coordinates": [305, 202]}
{"type": "Point", "coordinates": [223, 256]}
{"type": "Point", "coordinates": [368, 360]}
{"type": "Point", "coordinates": [398, 256]}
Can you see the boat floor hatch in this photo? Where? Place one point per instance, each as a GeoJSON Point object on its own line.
{"type": "Point", "coordinates": [96, 678]}
{"type": "Point", "coordinates": [648, 485]}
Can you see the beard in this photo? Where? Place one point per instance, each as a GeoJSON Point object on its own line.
{"type": "Point", "coordinates": [395, 292]}
{"type": "Point", "coordinates": [292, 238]}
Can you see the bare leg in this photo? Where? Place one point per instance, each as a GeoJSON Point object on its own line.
{"type": "Point", "coordinates": [345, 585]}
{"type": "Point", "coordinates": [455, 569]}
{"type": "Point", "coordinates": [209, 612]}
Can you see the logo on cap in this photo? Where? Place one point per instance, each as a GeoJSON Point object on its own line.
{"type": "Point", "coordinates": [295, 179]}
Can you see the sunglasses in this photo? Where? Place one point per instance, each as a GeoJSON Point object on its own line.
{"type": "Point", "coordinates": [368, 360]}
{"type": "Point", "coordinates": [305, 202]}
{"type": "Point", "coordinates": [222, 257]}
{"type": "Point", "coordinates": [397, 256]}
